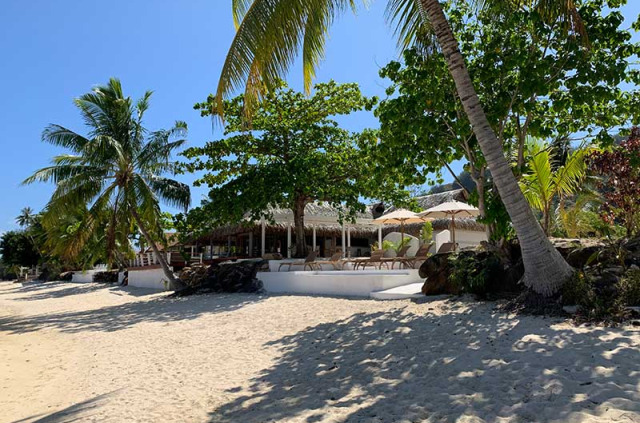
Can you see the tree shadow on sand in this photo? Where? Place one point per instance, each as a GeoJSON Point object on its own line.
{"type": "Point", "coordinates": [34, 291]}
{"type": "Point", "coordinates": [74, 413]}
{"type": "Point", "coordinates": [397, 366]}
{"type": "Point", "coordinates": [123, 316]}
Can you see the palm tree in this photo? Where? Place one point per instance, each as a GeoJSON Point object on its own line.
{"type": "Point", "coordinates": [270, 33]}
{"type": "Point", "coordinates": [26, 217]}
{"type": "Point", "coordinates": [116, 170]}
{"type": "Point", "coordinates": [542, 185]}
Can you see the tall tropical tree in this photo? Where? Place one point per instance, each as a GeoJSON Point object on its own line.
{"type": "Point", "coordinates": [271, 32]}
{"type": "Point", "coordinates": [26, 217]}
{"type": "Point", "coordinates": [116, 171]}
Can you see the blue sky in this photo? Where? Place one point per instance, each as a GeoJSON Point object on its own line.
{"type": "Point", "coordinates": [55, 51]}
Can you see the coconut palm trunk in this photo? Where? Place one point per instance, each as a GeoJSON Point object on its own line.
{"type": "Point", "coordinates": [174, 284]}
{"type": "Point", "coordinates": [545, 269]}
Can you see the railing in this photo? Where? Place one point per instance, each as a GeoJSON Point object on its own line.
{"type": "Point", "coordinates": [150, 259]}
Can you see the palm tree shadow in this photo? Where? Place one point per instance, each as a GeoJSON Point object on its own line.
{"type": "Point", "coordinates": [45, 291]}
{"type": "Point", "coordinates": [395, 366]}
{"type": "Point", "coordinates": [74, 413]}
{"type": "Point", "coordinates": [123, 316]}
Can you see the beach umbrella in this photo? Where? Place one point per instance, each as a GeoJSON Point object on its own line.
{"type": "Point", "coordinates": [451, 209]}
{"type": "Point", "coordinates": [400, 216]}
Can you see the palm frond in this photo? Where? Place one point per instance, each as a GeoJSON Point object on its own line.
{"type": "Point", "coordinates": [63, 137]}
{"type": "Point", "coordinates": [268, 40]}
{"type": "Point", "coordinates": [171, 192]}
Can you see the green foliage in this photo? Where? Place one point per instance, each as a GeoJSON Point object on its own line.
{"type": "Point", "coordinates": [17, 250]}
{"type": "Point", "coordinates": [474, 274]}
{"type": "Point", "coordinates": [270, 34]}
{"type": "Point", "coordinates": [426, 233]}
{"type": "Point", "coordinates": [111, 177]}
{"type": "Point", "coordinates": [577, 290]}
{"type": "Point", "coordinates": [386, 245]}
{"type": "Point", "coordinates": [596, 304]}
{"type": "Point", "coordinates": [397, 246]}
{"type": "Point", "coordinates": [532, 80]}
{"type": "Point", "coordinates": [579, 219]}
{"type": "Point", "coordinates": [542, 183]}
{"type": "Point", "coordinates": [292, 153]}
{"type": "Point", "coordinates": [629, 288]}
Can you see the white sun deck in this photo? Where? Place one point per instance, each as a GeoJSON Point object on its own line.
{"type": "Point", "coordinates": [338, 283]}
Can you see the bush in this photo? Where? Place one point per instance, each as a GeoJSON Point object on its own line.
{"type": "Point", "coordinates": [601, 302]}
{"type": "Point", "coordinates": [477, 274]}
{"type": "Point", "coordinates": [386, 245]}
{"type": "Point", "coordinates": [629, 288]}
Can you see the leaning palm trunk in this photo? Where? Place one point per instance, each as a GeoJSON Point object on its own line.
{"type": "Point", "coordinates": [174, 284]}
{"type": "Point", "coordinates": [545, 269]}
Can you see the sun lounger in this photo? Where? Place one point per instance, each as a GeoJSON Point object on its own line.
{"type": "Point", "coordinates": [421, 255]}
{"type": "Point", "coordinates": [447, 247]}
{"type": "Point", "coordinates": [376, 260]}
{"type": "Point", "coordinates": [307, 262]}
{"type": "Point", "coordinates": [400, 257]}
{"type": "Point", "coordinates": [335, 260]}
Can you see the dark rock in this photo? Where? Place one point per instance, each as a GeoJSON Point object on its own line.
{"type": "Point", "coordinates": [224, 277]}
{"type": "Point", "coordinates": [435, 270]}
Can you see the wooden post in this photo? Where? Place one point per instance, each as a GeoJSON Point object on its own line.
{"type": "Point", "coordinates": [349, 241]}
{"type": "Point", "coordinates": [263, 236]}
{"type": "Point", "coordinates": [380, 236]}
{"type": "Point", "coordinates": [288, 239]}
{"type": "Point", "coordinates": [314, 237]}
{"type": "Point", "coordinates": [344, 241]}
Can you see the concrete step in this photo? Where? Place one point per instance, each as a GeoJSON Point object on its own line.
{"type": "Point", "coordinates": [412, 290]}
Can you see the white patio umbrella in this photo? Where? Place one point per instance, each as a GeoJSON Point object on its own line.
{"type": "Point", "coordinates": [400, 216]}
{"type": "Point", "coordinates": [451, 209]}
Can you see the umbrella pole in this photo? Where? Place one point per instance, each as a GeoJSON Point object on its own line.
{"type": "Point", "coordinates": [401, 232]}
{"type": "Point", "coordinates": [453, 231]}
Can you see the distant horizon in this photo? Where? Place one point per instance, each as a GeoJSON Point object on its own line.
{"type": "Point", "coordinates": [54, 53]}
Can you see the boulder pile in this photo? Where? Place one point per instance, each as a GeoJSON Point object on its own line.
{"type": "Point", "coordinates": [223, 277]}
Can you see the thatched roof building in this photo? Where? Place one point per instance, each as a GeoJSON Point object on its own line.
{"type": "Point", "coordinates": [322, 224]}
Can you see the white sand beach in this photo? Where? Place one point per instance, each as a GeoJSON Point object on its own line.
{"type": "Point", "coordinates": [94, 353]}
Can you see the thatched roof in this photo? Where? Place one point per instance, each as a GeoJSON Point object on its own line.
{"type": "Point", "coordinates": [318, 209]}
{"type": "Point", "coordinates": [428, 201]}
{"type": "Point", "coordinates": [222, 232]}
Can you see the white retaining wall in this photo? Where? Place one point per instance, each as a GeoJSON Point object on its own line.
{"type": "Point", "coordinates": [149, 278]}
{"type": "Point", "coordinates": [84, 276]}
{"type": "Point", "coordinates": [337, 283]}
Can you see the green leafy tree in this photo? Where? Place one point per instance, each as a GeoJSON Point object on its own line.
{"type": "Point", "coordinates": [271, 32]}
{"type": "Point", "coordinates": [18, 250]}
{"type": "Point", "coordinates": [292, 154]}
{"type": "Point", "coordinates": [540, 88]}
{"type": "Point", "coordinates": [116, 170]}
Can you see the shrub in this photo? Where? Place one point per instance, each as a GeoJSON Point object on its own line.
{"type": "Point", "coordinates": [597, 301]}
{"type": "Point", "coordinates": [386, 245]}
{"type": "Point", "coordinates": [426, 234]}
{"type": "Point", "coordinates": [477, 274]}
{"type": "Point", "coordinates": [629, 288]}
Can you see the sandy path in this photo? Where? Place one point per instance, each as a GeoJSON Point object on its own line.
{"type": "Point", "coordinates": [86, 352]}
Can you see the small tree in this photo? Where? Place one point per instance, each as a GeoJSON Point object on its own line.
{"type": "Point", "coordinates": [619, 168]}
{"type": "Point", "coordinates": [543, 185]}
{"type": "Point", "coordinates": [292, 153]}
